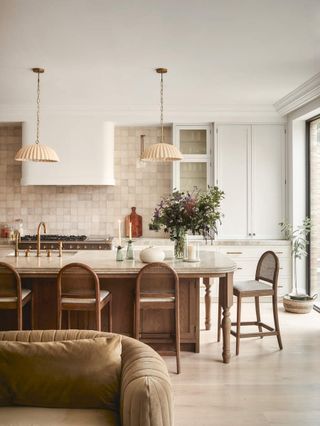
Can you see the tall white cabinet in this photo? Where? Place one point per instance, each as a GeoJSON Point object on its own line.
{"type": "Point", "coordinates": [250, 168]}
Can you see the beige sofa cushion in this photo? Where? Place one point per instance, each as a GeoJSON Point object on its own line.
{"type": "Point", "coordinates": [31, 416]}
{"type": "Point", "coordinates": [67, 374]}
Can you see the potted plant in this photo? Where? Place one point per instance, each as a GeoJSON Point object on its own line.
{"type": "Point", "coordinates": [297, 301]}
{"type": "Point", "coordinates": [180, 212]}
{"type": "Point", "coordinates": [299, 243]}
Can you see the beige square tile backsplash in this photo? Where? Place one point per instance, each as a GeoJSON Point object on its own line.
{"type": "Point", "coordinates": [90, 210]}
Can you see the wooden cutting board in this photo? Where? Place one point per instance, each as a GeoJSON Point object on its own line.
{"type": "Point", "coordinates": [136, 221]}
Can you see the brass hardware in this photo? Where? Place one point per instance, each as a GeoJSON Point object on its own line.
{"type": "Point", "coordinates": [38, 70]}
{"type": "Point", "coordinates": [162, 70]}
{"type": "Point", "coordinates": [38, 236]}
{"type": "Point", "coordinates": [234, 252]}
{"type": "Point", "coordinates": [142, 145]}
{"type": "Point", "coordinates": [49, 253]}
{"type": "Point", "coordinates": [17, 239]}
{"type": "Point", "coordinates": [60, 249]}
{"type": "Point", "coordinates": [26, 253]}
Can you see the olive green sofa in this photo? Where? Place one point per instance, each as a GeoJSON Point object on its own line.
{"type": "Point", "coordinates": [145, 388]}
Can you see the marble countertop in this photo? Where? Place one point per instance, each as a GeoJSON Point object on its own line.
{"type": "Point", "coordinates": [166, 242]}
{"type": "Point", "coordinates": [104, 262]}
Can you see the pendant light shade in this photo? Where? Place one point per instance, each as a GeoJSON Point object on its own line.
{"type": "Point", "coordinates": [36, 151]}
{"type": "Point", "coordinates": [161, 151]}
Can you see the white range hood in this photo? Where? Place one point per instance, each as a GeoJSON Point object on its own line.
{"type": "Point", "coordinates": [85, 146]}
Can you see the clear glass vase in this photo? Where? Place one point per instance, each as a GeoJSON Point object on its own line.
{"type": "Point", "coordinates": [179, 246]}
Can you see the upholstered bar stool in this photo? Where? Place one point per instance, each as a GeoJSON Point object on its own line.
{"type": "Point", "coordinates": [157, 288]}
{"type": "Point", "coordinates": [78, 289]}
{"type": "Point", "coordinates": [265, 284]}
{"type": "Point", "coordinates": [12, 296]}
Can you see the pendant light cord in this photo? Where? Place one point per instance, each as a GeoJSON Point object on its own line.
{"type": "Point", "coordinates": [38, 108]}
{"type": "Point", "coordinates": [161, 107]}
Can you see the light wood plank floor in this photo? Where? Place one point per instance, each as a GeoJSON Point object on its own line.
{"type": "Point", "coordinates": [262, 386]}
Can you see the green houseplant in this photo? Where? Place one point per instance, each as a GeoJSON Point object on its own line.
{"type": "Point", "coordinates": [299, 242]}
{"type": "Point", "coordinates": [180, 212]}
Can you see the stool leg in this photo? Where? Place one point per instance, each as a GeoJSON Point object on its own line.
{"type": "Point", "coordinates": [238, 325]}
{"type": "Point", "coordinates": [177, 320]}
{"type": "Point", "coordinates": [136, 322]}
{"type": "Point", "coordinates": [256, 301]}
{"type": "Point", "coordinates": [59, 317]}
{"type": "Point", "coordinates": [276, 320]}
{"type": "Point", "coordinates": [32, 312]}
{"type": "Point", "coordinates": [110, 316]}
{"type": "Point", "coordinates": [98, 318]}
{"type": "Point", "coordinates": [19, 317]}
{"type": "Point", "coordinates": [69, 319]}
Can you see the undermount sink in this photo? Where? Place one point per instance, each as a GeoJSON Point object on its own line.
{"type": "Point", "coordinates": [54, 253]}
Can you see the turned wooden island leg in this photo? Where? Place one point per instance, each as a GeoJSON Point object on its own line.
{"type": "Point", "coordinates": [207, 300]}
{"type": "Point", "coordinates": [226, 301]}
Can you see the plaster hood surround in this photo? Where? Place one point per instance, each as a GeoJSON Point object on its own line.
{"type": "Point", "coordinates": [85, 146]}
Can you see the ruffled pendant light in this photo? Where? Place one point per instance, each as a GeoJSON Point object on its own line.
{"type": "Point", "coordinates": [37, 151]}
{"type": "Point", "coordinates": [161, 151]}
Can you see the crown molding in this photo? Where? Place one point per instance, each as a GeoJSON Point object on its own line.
{"type": "Point", "coordinates": [148, 114]}
{"type": "Point", "coordinates": [300, 96]}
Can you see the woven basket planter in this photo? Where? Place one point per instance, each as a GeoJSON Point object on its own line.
{"type": "Point", "coordinates": [297, 306]}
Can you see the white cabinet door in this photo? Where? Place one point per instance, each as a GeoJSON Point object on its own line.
{"type": "Point", "coordinates": [194, 170]}
{"type": "Point", "coordinates": [268, 180]}
{"type": "Point", "coordinates": [232, 162]}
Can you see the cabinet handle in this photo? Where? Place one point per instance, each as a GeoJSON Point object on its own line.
{"type": "Point", "coordinates": [254, 234]}
{"type": "Point", "coordinates": [280, 268]}
{"type": "Point", "coordinates": [239, 268]}
{"type": "Point", "coordinates": [249, 234]}
{"type": "Point", "coordinates": [279, 252]}
{"type": "Point", "coordinates": [234, 252]}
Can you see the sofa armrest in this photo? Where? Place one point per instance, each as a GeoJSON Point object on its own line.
{"type": "Point", "coordinates": [146, 392]}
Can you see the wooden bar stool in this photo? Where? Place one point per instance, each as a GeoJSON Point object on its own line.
{"type": "Point", "coordinates": [78, 289]}
{"type": "Point", "coordinates": [157, 288]}
{"type": "Point", "coordinates": [12, 296]}
{"type": "Point", "coordinates": [267, 272]}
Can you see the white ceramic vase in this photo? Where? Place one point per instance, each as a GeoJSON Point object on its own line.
{"type": "Point", "coordinates": [152, 254]}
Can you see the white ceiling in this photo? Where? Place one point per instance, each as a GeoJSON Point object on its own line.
{"type": "Point", "coordinates": [101, 54]}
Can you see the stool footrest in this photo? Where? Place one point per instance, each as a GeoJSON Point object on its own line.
{"type": "Point", "coordinates": [257, 334]}
{"type": "Point", "coordinates": [257, 323]}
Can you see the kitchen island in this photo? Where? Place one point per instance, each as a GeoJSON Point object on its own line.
{"type": "Point", "coordinates": [39, 274]}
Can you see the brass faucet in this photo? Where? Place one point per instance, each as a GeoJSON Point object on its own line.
{"type": "Point", "coordinates": [38, 236]}
{"type": "Point", "coordinates": [17, 241]}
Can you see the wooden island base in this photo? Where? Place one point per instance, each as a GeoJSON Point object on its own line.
{"type": "Point", "coordinates": [122, 289]}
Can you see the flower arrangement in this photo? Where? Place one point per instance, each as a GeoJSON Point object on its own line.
{"type": "Point", "coordinates": [196, 211]}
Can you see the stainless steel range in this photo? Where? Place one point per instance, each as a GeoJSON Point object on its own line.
{"type": "Point", "coordinates": [70, 242]}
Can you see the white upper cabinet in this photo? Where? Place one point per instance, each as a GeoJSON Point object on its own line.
{"type": "Point", "coordinates": [194, 170]}
{"type": "Point", "coordinates": [250, 168]}
{"type": "Point", "coordinates": [268, 180]}
{"type": "Point", "coordinates": [232, 161]}
{"type": "Point", "coordinates": [85, 146]}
